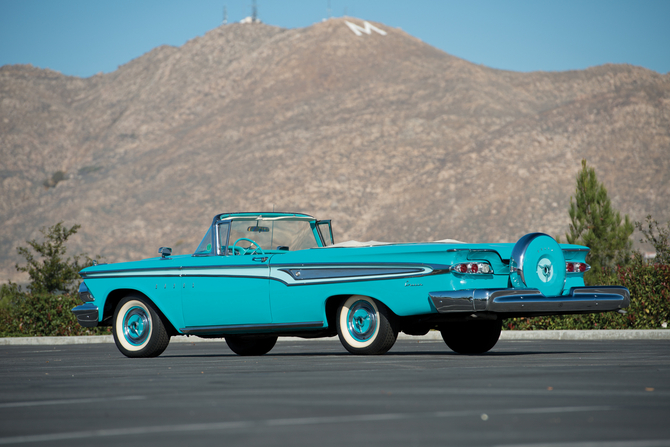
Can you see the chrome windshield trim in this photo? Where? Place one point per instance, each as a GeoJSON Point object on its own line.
{"type": "Point", "coordinates": [219, 243]}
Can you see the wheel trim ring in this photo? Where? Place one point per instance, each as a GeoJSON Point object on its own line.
{"type": "Point", "coordinates": [136, 326]}
{"type": "Point", "coordinates": [346, 337]}
{"type": "Point", "coordinates": [119, 336]}
{"type": "Point", "coordinates": [362, 321]}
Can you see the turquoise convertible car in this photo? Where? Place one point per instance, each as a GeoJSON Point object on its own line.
{"type": "Point", "coordinates": [257, 276]}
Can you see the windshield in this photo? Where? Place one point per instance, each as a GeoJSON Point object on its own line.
{"type": "Point", "coordinates": [273, 234]}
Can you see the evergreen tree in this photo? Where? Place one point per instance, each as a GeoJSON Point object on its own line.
{"type": "Point", "coordinates": [52, 273]}
{"type": "Point", "coordinates": [597, 225]}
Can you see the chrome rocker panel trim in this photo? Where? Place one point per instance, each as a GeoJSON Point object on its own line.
{"type": "Point", "coordinates": [241, 328]}
{"type": "Point", "coordinates": [87, 314]}
{"type": "Point", "coordinates": [524, 302]}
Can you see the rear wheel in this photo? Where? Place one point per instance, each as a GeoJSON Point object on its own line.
{"type": "Point", "coordinates": [138, 329]}
{"type": "Point", "coordinates": [472, 337]}
{"type": "Point", "coordinates": [242, 345]}
{"type": "Point", "coordinates": [365, 326]}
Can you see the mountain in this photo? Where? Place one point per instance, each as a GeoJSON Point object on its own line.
{"type": "Point", "coordinates": [391, 138]}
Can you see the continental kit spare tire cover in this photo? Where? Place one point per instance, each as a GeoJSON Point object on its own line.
{"type": "Point", "coordinates": [537, 262]}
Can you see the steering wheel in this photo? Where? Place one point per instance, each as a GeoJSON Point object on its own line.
{"type": "Point", "coordinates": [243, 251]}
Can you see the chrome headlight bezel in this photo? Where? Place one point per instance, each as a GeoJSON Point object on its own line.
{"type": "Point", "coordinates": [85, 295]}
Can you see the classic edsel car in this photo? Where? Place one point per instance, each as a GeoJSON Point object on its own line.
{"type": "Point", "coordinates": [257, 276]}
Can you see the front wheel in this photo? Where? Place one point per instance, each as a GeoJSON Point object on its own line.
{"type": "Point", "coordinates": [242, 345]}
{"type": "Point", "coordinates": [138, 329]}
{"type": "Point", "coordinates": [472, 337]}
{"type": "Point", "coordinates": [365, 326]}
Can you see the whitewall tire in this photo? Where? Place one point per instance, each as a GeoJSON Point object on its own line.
{"type": "Point", "coordinates": [138, 330]}
{"type": "Point", "coordinates": [365, 326]}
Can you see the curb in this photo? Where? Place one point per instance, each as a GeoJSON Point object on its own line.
{"type": "Point", "coordinates": [432, 336]}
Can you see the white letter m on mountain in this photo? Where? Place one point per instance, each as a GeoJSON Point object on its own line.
{"type": "Point", "coordinates": [367, 30]}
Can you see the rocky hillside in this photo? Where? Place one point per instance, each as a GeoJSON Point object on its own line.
{"type": "Point", "coordinates": [391, 138]}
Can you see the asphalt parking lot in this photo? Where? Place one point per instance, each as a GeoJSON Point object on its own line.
{"type": "Point", "coordinates": [547, 392]}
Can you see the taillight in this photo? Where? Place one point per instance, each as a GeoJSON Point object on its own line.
{"type": "Point", "coordinates": [480, 268]}
{"type": "Point", "coordinates": [576, 267]}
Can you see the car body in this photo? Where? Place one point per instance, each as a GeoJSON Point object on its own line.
{"type": "Point", "coordinates": [257, 276]}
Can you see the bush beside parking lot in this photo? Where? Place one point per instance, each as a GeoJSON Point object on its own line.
{"type": "Point", "coordinates": [41, 314]}
{"type": "Point", "coordinates": [45, 309]}
{"type": "Point", "coordinates": [649, 286]}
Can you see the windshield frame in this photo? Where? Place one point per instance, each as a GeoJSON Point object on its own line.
{"type": "Point", "coordinates": [222, 246]}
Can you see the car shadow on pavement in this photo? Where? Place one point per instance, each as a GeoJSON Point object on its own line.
{"type": "Point", "coordinates": [387, 355]}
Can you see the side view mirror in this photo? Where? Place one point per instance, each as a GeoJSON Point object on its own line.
{"type": "Point", "coordinates": [165, 251]}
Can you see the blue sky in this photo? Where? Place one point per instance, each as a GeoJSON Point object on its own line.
{"type": "Point", "coordinates": [83, 37]}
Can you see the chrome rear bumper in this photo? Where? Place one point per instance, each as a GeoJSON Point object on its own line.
{"type": "Point", "coordinates": [521, 302]}
{"type": "Point", "coordinates": [87, 314]}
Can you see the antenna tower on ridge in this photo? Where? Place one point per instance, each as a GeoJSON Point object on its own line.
{"type": "Point", "coordinates": [254, 12]}
{"type": "Point", "coordinates": [329, 9]}
{"type": "Point", "coordinates": [225, 15]}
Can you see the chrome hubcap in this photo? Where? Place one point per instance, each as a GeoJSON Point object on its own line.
{"type": "Point", "coordinates": [545, 271]}
{"type": "Point", "coordinates": [136, 326]}
{"type": "Point", "coordinates": [362, 320]}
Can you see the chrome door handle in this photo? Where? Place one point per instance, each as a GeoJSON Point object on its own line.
{"type": "Point", "coordinates": [262, 259]}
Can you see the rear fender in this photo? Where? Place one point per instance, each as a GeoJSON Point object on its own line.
{"type": "Point", "coordinates": [334, 302]}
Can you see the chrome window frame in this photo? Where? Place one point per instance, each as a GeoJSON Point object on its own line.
{"type": "Point", "coordinates": [211, 251]}
{"type": "Point", "coordinates": [219, 251]}
{"type": "Point", "coordinates": [330, 229]}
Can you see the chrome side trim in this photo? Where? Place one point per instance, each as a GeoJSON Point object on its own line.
{"type": "Point", "coordinates": [307, 274]}
{"type": "Point", "coordinates": [480, 250]}
{"type": "Point", "coordinates": [235, 329]}
{"type": "Point", "coordinates": [452, 301]}
{"type": "Point", "coordinates": [87, 314]}
{"type": "Point", "coordinates": [304, 274]}
{"type": "Point", "coordinates": [528, 301]}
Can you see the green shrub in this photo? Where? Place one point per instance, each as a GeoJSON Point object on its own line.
{"type": "Point", "coordinates": [658, 237]}
{"type": "Point", "coordinates": [45, 310]}
{"type": "Point", "coordinates": [40, 314]}
{"type": "Point", "coordinates": [649, 286]}
{"type": "Point", "coordinates": [49, 270]}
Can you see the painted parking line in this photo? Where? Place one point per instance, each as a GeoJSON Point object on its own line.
{"type": "Point", "coordinates": [631, 443]}
{"type": "Point", "coordinates": [39, 403]}
{"type": "Point", "coordinates": [220, 426]}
